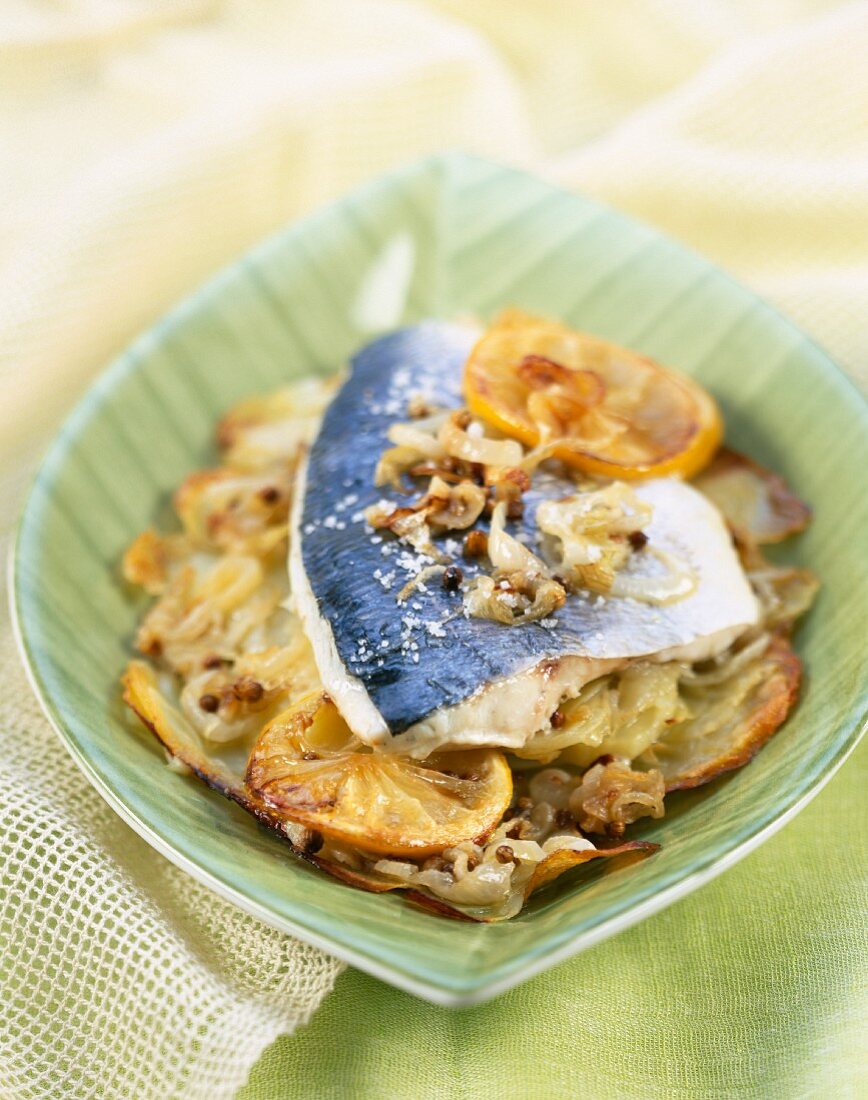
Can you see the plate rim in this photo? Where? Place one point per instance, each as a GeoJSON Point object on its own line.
{"type": "Point", "coordinates": [455, 994]}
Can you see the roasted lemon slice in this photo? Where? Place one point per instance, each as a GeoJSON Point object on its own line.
{"type": "Point", "coordinates": [307, 765]}
{"type": "Point", "coordinates": [605, 409]}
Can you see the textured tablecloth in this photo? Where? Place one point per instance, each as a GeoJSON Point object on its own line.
{"type": "Point", "coordinates": [145, 142]}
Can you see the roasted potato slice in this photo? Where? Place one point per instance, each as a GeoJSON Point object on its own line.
{"type": "Point", "coordinates": [143, 695]}
{"type": "Point", "coordinates": [757, 504]}
{"type": "Point", "coordinates": [260, 431]}
{"type": "Point", "coordinates": [152, 560]}
{"type": "Point", "coordinates": [564, 859]}
{"type": "Point", "coordinates": [785, 592]}
{"type": "Point", "coordinates": [241, 513]}
{"type": "Point", "coordinates": [733, 713]}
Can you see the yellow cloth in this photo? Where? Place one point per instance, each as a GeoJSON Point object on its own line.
{"type": "Point", "coordinates": [145, 142]}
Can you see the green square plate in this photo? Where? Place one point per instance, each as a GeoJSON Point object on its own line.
{"type": "Point", "coordinates": [448, 236]}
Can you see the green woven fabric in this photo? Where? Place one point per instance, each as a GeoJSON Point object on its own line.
{"type": "Point", "coordinates": [754, 986]}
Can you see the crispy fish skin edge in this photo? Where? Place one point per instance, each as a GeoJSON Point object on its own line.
{"type": "Point", "coordinates": [778, 696]}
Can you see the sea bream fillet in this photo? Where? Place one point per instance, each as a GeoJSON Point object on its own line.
{"type": "Point", "coordinates": [419, 674]}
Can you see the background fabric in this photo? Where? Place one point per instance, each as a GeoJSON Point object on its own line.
{"type": "Point", "coordinates": [145, 142]}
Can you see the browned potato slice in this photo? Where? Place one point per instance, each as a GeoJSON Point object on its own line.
{"type": "Point", "coordinates": [260, 431]}
{"type": "Point", "coordinates": [756, 503]}
{"type": "Point", "coordinates": [731, 719]}
{"type": "Point", "coordinates": [151, 560]}
{"type": "Point", "coordinates": [565, 859]}
{"type": "Point", "coordinates": [142, 695]}
{"type": "Point", "coordinates": [243, 513]}
{"type": "Point", "coordinates": [785, 592]}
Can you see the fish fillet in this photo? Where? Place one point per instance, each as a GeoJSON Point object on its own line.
{"type": "Point", "coordinates": [419, 675]}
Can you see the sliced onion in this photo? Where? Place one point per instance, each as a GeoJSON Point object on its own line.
{"type": "Point", "coordinates": [418, 438]}
{"type": "Point", "coordinates": [567, 843]}
{"type": "Point", "coordinates": [415, 443]}
{"type": "Point", "coordinates": [678, 583]}
{"type": "Point", "coordinates": [539, 454]}
{"type": "Point", "coordinates": [526, 599]}
{"type": "Point", "coordinates": [585, 521]}
{"type": "Point", "coordinates": [758, 504]}
{"type": "Point", "coordinates": [471, 448]}
{"type": "Point", "coordinates": [612, 796]}
{"type": "Point", "coordinates": [508, 553]}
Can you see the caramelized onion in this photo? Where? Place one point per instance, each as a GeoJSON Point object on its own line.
{"type": "Point", "coordinates": [612, 796]}
{"type": "Point", "coordinates": [455, 507]}
{"type": "Point", "coordinates": [513, 598]}
{"type": "Point", "coordinates": [592, 530]}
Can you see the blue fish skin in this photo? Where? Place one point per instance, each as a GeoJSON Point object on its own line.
{"type": "Point", "coordinates": [424, 654]}
{"type": "Point", "coordinates": [394, 649]}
